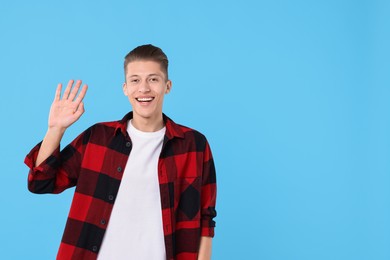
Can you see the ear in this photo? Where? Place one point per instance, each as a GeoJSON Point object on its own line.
{"type": "Point", "coordinates": [124, 88]}
{"type": "Point", "coordinates": [169, 87]}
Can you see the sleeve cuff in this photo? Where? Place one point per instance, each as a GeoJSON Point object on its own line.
{"type": "Point", "coordinates": [31, 159]}
{"type": "Point", "coordinates": [207, 232]}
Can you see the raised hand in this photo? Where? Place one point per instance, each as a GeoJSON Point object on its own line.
{"type": "Point", "coordinates": [63, 113]}
{"type": "Point", "coordinates": [68, 109]}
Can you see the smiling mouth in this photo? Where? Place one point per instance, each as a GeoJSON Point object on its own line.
{"type": "Point", "coordinates": [148, 99]}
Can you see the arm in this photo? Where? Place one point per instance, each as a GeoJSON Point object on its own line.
{"type": "Point", "coordinates": [63, 113]}
{"type": "Point", "coordinates": [205, 248]}
{"type": "Point", "coordinates": [52, 171]}
{"type": "Point", "coordinates": [208, 200]}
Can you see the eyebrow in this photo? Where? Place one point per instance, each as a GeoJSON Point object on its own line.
{"type": "Point", "coordinates": [150, 75]}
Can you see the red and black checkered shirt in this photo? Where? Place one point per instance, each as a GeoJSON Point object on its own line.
{"type": "Point", "coordinates": [94, 162]}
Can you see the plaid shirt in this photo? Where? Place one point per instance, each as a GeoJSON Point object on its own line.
{"type": "Point", "coordinates": [94, 162]}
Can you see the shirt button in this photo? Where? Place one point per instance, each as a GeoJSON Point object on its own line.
{"type": "Point", "coordinates": [103, 221]}
{"type": "Point", "coordinates": [94, 248]}
{"type": "Point", "coordinates": [110, 197]}
{"type": "Point", "coordinates": [128, 144]}
{"type": "Point", "coordinates": [119, 169]}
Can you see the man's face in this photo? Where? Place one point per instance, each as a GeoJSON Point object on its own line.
{"type": "Point", "coordinates": [145, 87]}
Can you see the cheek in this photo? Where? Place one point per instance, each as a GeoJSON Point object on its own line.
{"type": "Point", "coordinates": [127, 91]}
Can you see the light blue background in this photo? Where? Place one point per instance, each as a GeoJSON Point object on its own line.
{"type": "Point", "coordinates": [292, 95]}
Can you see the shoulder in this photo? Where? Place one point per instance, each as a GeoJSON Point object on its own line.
{"type": "Point", "coordinates": [188, 131]}
{"type": "Point", "coordinates": [181, 131]}
{"type": "Point", "coordinates": [104, 126]}
{"type": "Point", "coordinates": [109, 124]}
{"type": "Point", "coordinates": [101, 130]}
{"type": "Point", "coordinates": [192, 137]}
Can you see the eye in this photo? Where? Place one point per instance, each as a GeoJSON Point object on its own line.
{"type": "Point", "coordinates": [154, 79]}
{"type": "Point", "coordinates": [134, 80]}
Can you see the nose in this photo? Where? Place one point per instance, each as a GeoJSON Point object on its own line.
{"type": "Point", "coordinates": [144, 87]}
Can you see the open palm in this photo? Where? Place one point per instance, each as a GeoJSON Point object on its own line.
{"type": "Point", "coordinates": [68, 109]}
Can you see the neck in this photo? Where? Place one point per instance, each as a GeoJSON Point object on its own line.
{"type": "Point", "coordinates": [148, 124]}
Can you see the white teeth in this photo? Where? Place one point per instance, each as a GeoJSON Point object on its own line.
{"type": "Point", "coordinates": [144, 99]}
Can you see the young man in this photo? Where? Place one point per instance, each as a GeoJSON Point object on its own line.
{"type": "Point", "coordinates": [145, 186]}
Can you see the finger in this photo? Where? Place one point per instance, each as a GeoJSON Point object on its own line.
{"type": "Point", "coordinates": [74, 91]}
{"type": "Point", "coordinates": [81, 95]}
{"type": "Point", "coordinates": [67, 90]}
{"type": "Point", "coordinates": [58, 92]}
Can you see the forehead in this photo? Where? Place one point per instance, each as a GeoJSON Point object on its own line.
{"type": "Point", "coordinates": [143, 68]}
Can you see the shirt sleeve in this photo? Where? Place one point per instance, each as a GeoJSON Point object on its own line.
{"type": "Point", "coordinates": [60, 170]}
{"type": "Point", "coordinates": [209, 194]}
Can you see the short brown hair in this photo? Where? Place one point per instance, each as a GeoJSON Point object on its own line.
{"type": "Point", "coordinates": [150, 53]}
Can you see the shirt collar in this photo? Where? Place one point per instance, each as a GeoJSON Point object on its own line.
{"type": "Point", "coordinates": [172, 129]}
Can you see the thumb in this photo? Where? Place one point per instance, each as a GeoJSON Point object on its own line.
{"type": "Point", "coordinates": [80, 110]}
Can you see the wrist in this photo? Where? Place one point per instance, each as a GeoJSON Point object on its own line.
{"type": "Point", "coordinates": [55, 131]}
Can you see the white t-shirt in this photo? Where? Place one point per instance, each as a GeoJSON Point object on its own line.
{"type": "Point", "coordinates": [135, 230]}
